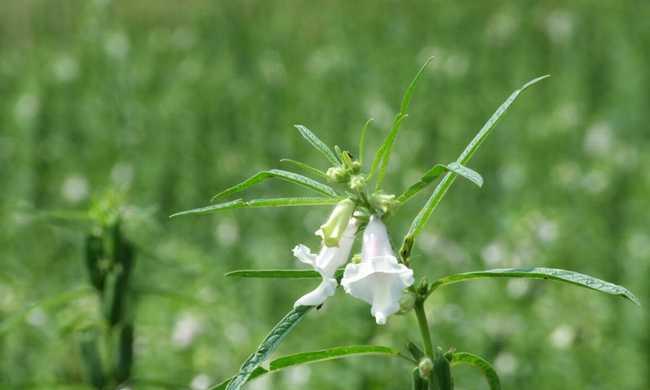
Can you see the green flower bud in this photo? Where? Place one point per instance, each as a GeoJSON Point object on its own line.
{"type": "Point", "coordinates": [332, 230]}
{"type": "Point", "coordinates": [383, 202]}
{"type": "Point", "coordinates": [357, 182]}
{"type": "Point", "coordinates": [425, 367]}
{"type": "Point", "coordinates": [337, 174]}
{"type": "Point", "coordinates": [356, 166]}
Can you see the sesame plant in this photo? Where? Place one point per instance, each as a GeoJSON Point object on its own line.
{"type": "Point", "coordinates": [379, 276]}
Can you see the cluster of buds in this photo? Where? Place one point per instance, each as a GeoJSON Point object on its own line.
{"type": "Point", "coordinates": [347, 172]}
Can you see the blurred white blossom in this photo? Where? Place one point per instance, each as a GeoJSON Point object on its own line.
{"type": "Point", "coordinates": [75, 188]}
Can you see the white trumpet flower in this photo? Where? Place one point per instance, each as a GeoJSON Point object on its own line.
{"type": "Point", "coordinates": [378, 279]}
{"type": "Point", "coordinates": [326, 263]}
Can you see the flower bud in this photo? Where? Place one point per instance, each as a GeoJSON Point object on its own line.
{"type": "Point", "coordinates": [332, 230]}
{"type": "Point", "coordinates": [425, 367]}
{"type": "Point", "coordinates": [337, 174]}
{"type": "Point", "coordinates": [383, 202]}
{"type": "Point", "coordinates": [357, 182]}
{"type": "Point", "coordinates": [356, 166]}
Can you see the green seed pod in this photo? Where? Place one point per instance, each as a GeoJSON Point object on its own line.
{"type": "Point", "coordinates": [92, 360]}
{"type": "Point", "coordinates": [124, 353]}
{"type": "Point", "coordinates": [94, 256]}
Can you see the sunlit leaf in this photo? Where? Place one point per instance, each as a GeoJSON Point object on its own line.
{"type": "Point", "coordinates": [383, 154]}
{"type": "Point", "coordinates": [305, 168]}
{"type": "Point", "coordinates": [315, 357]}
{"type": "Point", "coordinates": [318, 144]}
{"type": "Point", "coordinates": [266, 348]}
{"type": "Point", "coordinates": [287, 176]}
{"type": "Point", "coordinates": [258, 203]}
{"type": "Point", "coordinates": [432, 174]}
{"type": "Point", "coordinates": [441, 189]}
{"type": "Point", "coordinates": [480, 363]}
{"type": "Point", "coordinates": [561, 275]}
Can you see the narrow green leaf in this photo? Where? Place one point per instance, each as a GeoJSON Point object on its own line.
{"type": "Point", "coordinates": [480, 363]}
{"type": "Point", "coordinates": [266, 348]}
{"type": "Point", "coordinates": [318, 144]}
{"type": "Point", "coordinates": [287, 176]}
{"type": "Point", "coordinates": [379, 154]}
{"type": "Point", "coordinates": [258, 203]}
{"type": "Point", "coordinates": [329, 354]}
{"type": "Point", "coordinates": [279, 274]}
{"type": "Point", "coordinates": [415, 351]}
{"type": "Point", "coordinates": [362, 140]}
{"type": "Point", "coordinates": [465, 172]}
{"type": "Point", "coordinates": [432, 174]}
{"type": "Point", "coordinates": [561, 275]}
{"type": "Point", "coordinates": [441, 189]}
{"type": "Point", "coordinates": [408, 94]}
{"type": "Point", "coordinates": [306, 168]}
{"type": "Point", "coordinates": [384, 152]}
{"type": "Point", "coordinates": [315, 357]}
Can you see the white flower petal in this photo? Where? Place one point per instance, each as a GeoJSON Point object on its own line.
{"type": "Point", "coordinates": [303, 253]}
{"type": "Point", "coordinates": [316, 297]}
{"type": "Point", "coordinates": [326, 263]}
{"type": "Point", "coordinates": [379, 279]}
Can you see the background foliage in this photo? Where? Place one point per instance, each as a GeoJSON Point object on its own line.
{"type": "Point", "coordinates": [169, 103]}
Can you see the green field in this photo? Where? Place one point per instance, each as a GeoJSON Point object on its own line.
{"type": "Point", "coordinates": [158, 105]}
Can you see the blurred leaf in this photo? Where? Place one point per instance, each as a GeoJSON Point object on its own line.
{"type": "Point", "coordinates": [415, 351]}
{"type": "Point", "coordinates": [45, 304]}
{"type": "Point", "coordinates": [270, 343]}
{"type": "Point", "coordinates": [315, 357]}
{"type": "Point", "coordinates": [257, 203]}
{"type": "Point", "coordinates": [318, 144]}
{"type": "Point", "coordinates": [305, 167]}
{"type": "Point", "coordinates": [383, 154]}
{"type": "Point", "coordinates": [441, 189]}
{"type": "Point", "coordinates": [435, 172]}
{"type": "Point", "coordinates": [287, 176]}
{"type": "Point", "coordinates": [480, 363]}
{"type": "Point", "coordinates": [571, 277]}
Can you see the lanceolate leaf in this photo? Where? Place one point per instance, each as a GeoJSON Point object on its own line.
{"type": "Point", "coordinates": [362, 141]}
{"type": "Point", "coordinates": [441, 189]}
{"type": "Point", "coordinates": [480, 363]}
{"type": "Point", "coordinates": [318, 144]}
{"type": "Point", "coordinates": [290, 177]}
{"type": "Point", "coordinates": [432, 174]}
{"type": "Point", "coordinates": [258, 203]}
{"type": "Point", "coordinates": [383, 154]}
{"type": "Point", "coordinates": [315, 357]}
{"type": "Point", "coordinates": [306, 168]}
{"type": "Point", "coordinates": [561, 275]}
{"type": "Point", "coordinates": [279, 274]}
{"type": "Point", "coordinates": [270, 343]}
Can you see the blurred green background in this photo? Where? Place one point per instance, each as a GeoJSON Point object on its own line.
{"type": "Point", "coordinates": [169, 102]}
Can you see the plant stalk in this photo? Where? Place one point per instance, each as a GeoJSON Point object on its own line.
{"type": "Point", "coordinates": [424, 327]}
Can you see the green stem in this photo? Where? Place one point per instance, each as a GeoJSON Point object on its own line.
{"type": "Point", "coordinates": [424, 327]}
